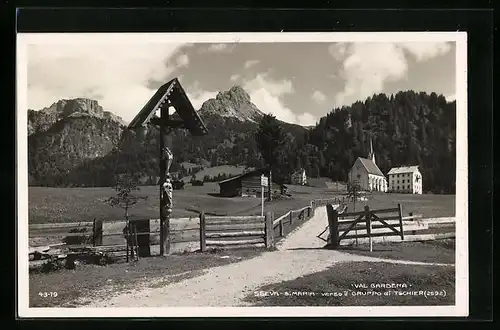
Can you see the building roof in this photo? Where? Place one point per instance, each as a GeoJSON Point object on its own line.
{"type": "Point", "coordinates": [259, 171]}
{"type": "Point", "coordinates": [173, 93]}
{"type": "Point", "coordinates": [403, 169]}
{"type": "Point", "coordinates": [370, 166]}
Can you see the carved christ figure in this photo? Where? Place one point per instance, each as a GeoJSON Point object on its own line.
{"type": "Point", "coordinates": [167, 158]}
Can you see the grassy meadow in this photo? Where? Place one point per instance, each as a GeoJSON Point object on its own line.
{"type": "Point", "coordinates": [54, 205]}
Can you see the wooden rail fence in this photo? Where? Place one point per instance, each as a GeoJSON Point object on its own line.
{"type": "Point", "coordinates": [383, 225]}
{"type": "Point", "coordinates": [142, 237]}
{"type": "Point", "coordinates": [235, 231]}
{"type": "Point", "coordinates": [365, 224]}
{"type": "Point", "coordinates": [283, 225]}
{"type": "Point", "coordinates": [111, 236]}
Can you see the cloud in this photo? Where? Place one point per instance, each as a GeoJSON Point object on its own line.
{"type": "Point", "coordinates": [318, 97]}
{"type": "Point", "coordinates": [182, 61]}
{"type": "Point", "coordinates": [234, 77]}
{"type": "Point", "coordinates": [219, 48]}
{"type": "Point", "coordinates": [367, 66]}
{"type": "Point", "coordinates": [250, 63]}
{"type": "Point", "coordinates": [117, 75]}
{"type": "Point", "coordinates": [426, 50]}
{"type": "Point", "coordinates": [198, 95]}
{"type": "Point", "coordinates": [306, 119]}
{"type": "Point", "coordinates": [268, 96]}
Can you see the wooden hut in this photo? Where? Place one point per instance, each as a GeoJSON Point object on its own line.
{"type": "Point", "coordinates": [246, 184]}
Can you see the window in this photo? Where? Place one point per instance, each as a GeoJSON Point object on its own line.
{"type": "Point", "coordinates": [398, 187]}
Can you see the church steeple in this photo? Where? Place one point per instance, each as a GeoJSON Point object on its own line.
{"type": "Point", "coordinates": [371, 155]}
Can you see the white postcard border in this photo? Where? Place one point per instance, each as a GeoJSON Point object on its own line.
{"type": "Point", "coordinates": [461, 307]}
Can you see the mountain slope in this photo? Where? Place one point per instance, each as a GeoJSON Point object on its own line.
{"type": "Point", "coordinates": [67, 133]}
{"type": "Point", "coordinates": [83, 146]}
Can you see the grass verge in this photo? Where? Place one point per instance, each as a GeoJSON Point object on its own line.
{"type": "Point", "coordinates": [437, 251]}
{"type": "Point", "coordinates": [74, 287]}
{"type": "Point", "coordinates": [339, 285]}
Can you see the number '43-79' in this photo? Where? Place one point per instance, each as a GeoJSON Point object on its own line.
{"type": "Point", "coordinates": [47, 294]}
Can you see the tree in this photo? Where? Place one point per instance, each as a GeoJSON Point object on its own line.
{"type": "Point", "coordinates": [125, 197]}
{"type": "Point", "coordinates": [353, 192]}
{"type": "Point", "coordinates": [270, 140]}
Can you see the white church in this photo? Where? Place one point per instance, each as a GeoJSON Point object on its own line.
{"type": "Point", "coordinates": [366, 173]}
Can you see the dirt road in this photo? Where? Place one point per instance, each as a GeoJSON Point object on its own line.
{"type": "Point", "coordinates": [299, 255]}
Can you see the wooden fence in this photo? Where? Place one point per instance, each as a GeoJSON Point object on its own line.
{"type": "Point", "coordinates": [364, 224]}
{"type": "Point", "coordinates": [186, 234]}
{"type": "Point", "coordinates": [383, 225]}
{"type": "Point", "coordinates": [235, 231]}
{"type": "Point", "coordinates": [283, 225]}
{"type": "Point", "coordinates": [110, 236]}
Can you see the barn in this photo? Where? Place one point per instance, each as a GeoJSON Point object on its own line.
{"type": "Point", "coordinates": [246, 184]}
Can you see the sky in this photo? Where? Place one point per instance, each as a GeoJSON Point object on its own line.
{"type": "Point", "coordinates": [299, 82]}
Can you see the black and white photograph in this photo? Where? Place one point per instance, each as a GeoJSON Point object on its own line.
{"type": "Point", "coordinates": [242, 174]}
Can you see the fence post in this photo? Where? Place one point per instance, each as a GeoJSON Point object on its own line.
{"type": "Point", "coordinates": [281, 227]}
{"type": "Point", "coordinates": [269, 230]}
{"type": "Point", "coordinates": [400, 213]}
{"type": "Point", "coordinates": [333, 225]}
{"type": "Point", "coordinates": [127, 238]}
{"type": "Point", "coordinates": [93, 232]}
{"type": "Point", "coordinates": [291, 217]}
{"type": "Point", "coordinates": [368, 220]}
{"type": "Point", "coordinates": [97, 232]}
{"type": "Point", "coordinates": [203, 242]}
{"type": "Point", "coordinates": [143, 231]}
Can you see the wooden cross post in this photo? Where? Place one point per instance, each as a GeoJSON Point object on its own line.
{"type": "Point", "coordinates": [165, 184]}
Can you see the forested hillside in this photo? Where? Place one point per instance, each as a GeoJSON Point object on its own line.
{"type": "Point", "coordinates": [407, 128]}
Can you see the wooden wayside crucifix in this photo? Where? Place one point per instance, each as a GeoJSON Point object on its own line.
{"type": "Point", "coordinates": [168, 95]}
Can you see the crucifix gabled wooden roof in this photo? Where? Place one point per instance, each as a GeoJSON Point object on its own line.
{"type": "Point", "coordinates": [171, 94]}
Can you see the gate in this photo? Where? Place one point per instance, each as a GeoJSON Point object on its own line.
{"type": "Point", "coordinates": [370, 222]}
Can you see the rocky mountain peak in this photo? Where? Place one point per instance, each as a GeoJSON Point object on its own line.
{"type": "Point", "coordinates": [80, 107]}
{"type": "Point", "coordinates": [44, 118]}
{"type": "Point", "coordinates": [235, 103]}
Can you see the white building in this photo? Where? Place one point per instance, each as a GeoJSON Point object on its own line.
{"type": "Point", "coordinates": [299, 177]}
{"type": "Point", "coordinates": [366, 173]}
{"type": "Point", "coordinates": [406, 179]}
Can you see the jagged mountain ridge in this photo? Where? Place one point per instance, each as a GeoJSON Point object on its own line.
{"type": "Point", "coordinates": [234, 103]}
{"type": "Point", "coordinates": [75, 136]}
{"type": "Point", "coordinates": [41, 120]}
{"type": "Point", "coordinates": [407, 127]}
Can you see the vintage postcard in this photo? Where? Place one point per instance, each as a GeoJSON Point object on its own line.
{"type": "Point", "coordinates": [242, 174]}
